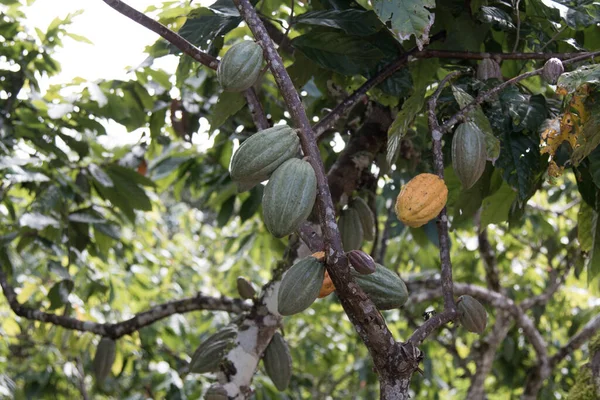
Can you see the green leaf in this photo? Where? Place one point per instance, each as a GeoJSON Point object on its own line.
{"type": "Point", "coordinates": [593, 266]}
{"type": "Point", "coordinates": [589, 136]}
{"type": "Point", "coordinates": [204, 25]}
{"type": "Point", "coordinates": [407, 18]}
{"type": "Point", "coordinates": [570, 81]}
{"type": "Point", "coordinates": [225, 211]}
{"type": "Point", "coordinates": [59, 293]}
{"type": "Point", "coordinates": [495, 208]}
{"type": "Point", "coordinates": [228, 104]}
{"type": "Point", "coordinates": [352, 21]}
{"type": "Point", "coordinates": [405, 117]}
{"type": "Point", "coordinates": [584, 227]}
{"type": "Point", "coordinates": [78, 38]}
{"type": "Point", "coordinates": [498, 17]}
{"type": "Point", "coordinates": [38, 221]}
{"type": "Point", "coordinates": [100, 176]}
{"type": "Point", "coordinates": [521, 162]}
{"type": "Point", "coordinates": [339, 52]}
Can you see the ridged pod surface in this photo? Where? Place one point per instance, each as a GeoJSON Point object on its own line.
{"type": "Point", "coordinates": [261, 154]}
{"type": "Point", "coordinates": [278, 362]}
{"type": "Point", "coordinates": [472, 314]}
{"type": "Point", "coordinates": [421, 200]}
{"type": "Point", "coordinates": [385, 288]}
{"type": "Point", "coordinates": [367, 219]}
{"type": "Point", "coordinates": [209, 354]}
{"type": "Point", "coordinates": [553, 69]}
{"type": "Point", "coordinates": [104, 358]}
{"type": "Point", "coordinates": [240, 67]}
{"type": "Point", "coordinates": [289, 197]}
{"type": "Point", "coordinates": [361, 262]}
{"type": "Point", "coordinates": [216, 392]}
{"type": "Point", "coordinates": [468, 154]}
{"type": "Point", "coordinates": [488, 69]}
{"type": "Point", "coordinates": [245, 288]}
{"type": "Point", "coordinates": [300, 286]}
{"type": "Point", "coordinates": [351, 229]}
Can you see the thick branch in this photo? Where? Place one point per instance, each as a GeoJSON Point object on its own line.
{"type": "Point", "coordinates": [143, 319]}
{"type": "Point", "coordinates": [576, 341]}
{"type": "Point", "coordinates": [369, 323]}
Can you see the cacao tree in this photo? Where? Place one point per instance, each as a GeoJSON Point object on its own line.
{"type": "Point", "coordinates": [329, 199]}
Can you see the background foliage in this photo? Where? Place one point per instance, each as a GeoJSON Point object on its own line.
{"type": "Point", "coordinates": [100, 233]}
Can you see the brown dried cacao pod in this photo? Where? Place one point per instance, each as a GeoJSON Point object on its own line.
{"type": "Point", "coordinates": [488, 69]}
{"type": "Point", "coordinates": [553, 69]}
{"type": "Point", "coordinates": [472, 314]}
{"type": "Point", "coordinates": [245, 288]}
{"type": "Point", "coordinates": [361, 262]}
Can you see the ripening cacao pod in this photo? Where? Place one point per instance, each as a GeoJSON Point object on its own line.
{"type": "Point", "coordinates": [240, 67]}
{"type": "Point", "coordinates": [468, 154]}
{"type": "Point", "coordinates": [488, 69]}
{"type": "Point", "coordinates": [361, 262]}
{"type": "Point", "coordinates": [351, 229]}
{"type": "Point", "coordinates": [289, 197]}
{"type": "Point", "coordinates": [278, 362]}
{"type": "Point", "coordinates": [300, 286]}
{"type": "Point", "coordinates": [367, 218]}
{"type": "Point", "coordinates": [326, 287]}
{"type": "Point", "coordinates": [209, 354]}
{"type": "Point", "coordinates": [261, 154]}
{"type": "Point", "coordinates": [216, 392]}
{"type": "Point", "coordinates": [385, 288]}
{"type": "Point", "coordinates": [421, 200]}
{"type": "Point", "coordinates": [104, 358]}
{"type": "Point", "coordinates": [553, 69]}
{"type": "Point", "coordinates": [245, 288]}
{"type": "Point", "coordinates": [472, 314]}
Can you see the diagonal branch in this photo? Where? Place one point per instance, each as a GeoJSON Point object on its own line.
{"type": "Point", "coordinates": [576, 341]}
{"type": "Point", "coordinates": [254, 105]}
{"type": "Point", "coordinates": [137, 322]}
{"type": "Point", "coordinates": [368, 322]}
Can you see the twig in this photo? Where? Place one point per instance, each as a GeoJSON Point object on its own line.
{"type": "Point", "coordinates": [255, 107]}
{"type": "Point", "coordinates": [432, 324]}
{"type": "Point", "coordinates": [368, 321]}
{"type": "Point", "coordinates": [140, 320]}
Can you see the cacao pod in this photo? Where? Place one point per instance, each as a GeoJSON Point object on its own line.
{"type": "Point", "coordinates": [319, 255]}
{"type": "Point", "coordinates": [421, 200]}
{"type": "Point", "coordinates": [327, 287]}
{"type": "Point", "coordinates": [468, 153]}
{"type": "Point", "coordinates": [261, 154]}
{"type": "Point", "coordinates": [216, 392]}
{"type": "Point", "coordinates": [104, 358]}
{"type": "Point", "coordinates": [553, 69]}
{"type": "Point", "coordinates": [385, 288]}
{"type": "Point", "coordinates": [289, 197]}
{"type": "Point", "coordinates": [351, 229]}
{"type": "Point", "coordinates": [300, 286]}
{"type": "Point", "coordinates": [361, 262]}
{"type": "Point", "coordinates": [278, 362]}
{"type": "Point", "coordinates": [367, 218]}
{"type": "Point", "coordinates": [488, 69]}
{"type": "Point", "coordinates": [209, 354]}
{"type": "Point", "coordinates": [245, 288]}
{"type": "Point", "coordinates": [472, 314]}
{"type": "Point", "coordinates": [240, 67]}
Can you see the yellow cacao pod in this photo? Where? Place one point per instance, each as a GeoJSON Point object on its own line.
{"type": "Point", "coordinates": [327, 287]}
{"type": "Point", "coordinates": [421, 200]}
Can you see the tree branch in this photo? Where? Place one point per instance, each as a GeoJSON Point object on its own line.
{"type": "Point", "coordinates": [137, 322]}
{"type": "Point", "coordinates": [467, 55]}
{"type": "Point", "coordinates": [368, 322]}
{"type": "Point", "coordinates": [576, 341]}
{"type": "Point", "coordinates": [255, 107]}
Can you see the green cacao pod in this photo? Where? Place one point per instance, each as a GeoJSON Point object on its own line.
{"type": "Point", "coordinates": [384, 287]}
{"type": "Point", "coordinates": [488, 69]}
{"type": "Point", "coordinates": [351, 229]}
{"type": "Point", "coordinates": [240, 67]}
{"type": "Point", "coordinates": [468, 153]}
{"type": "Point", "coordinates": [300, 286]}
{"type": "Point", "coordinates": [245, 288]}
{"type": "Point", "coordinates": [216, 392]}
{"type": "Point", "coordinates": [261, 154]}
{"type": "Point", "coordinates": [472, 314]}
{"type": "Point", "coordinates": [209, 354]}
{"type": "Point", "coordinates": [289, 197]}
{"type": "Point", "coordinates": [367, 218]}
{"type": "Point", "coordinates": [104, 358]}
{"type": "Point", "coordinates": [553, 69]}
{"type": "Point", "coordinates": [278, 362]}
{"type": "Point", "coordinates": [361, 262]}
